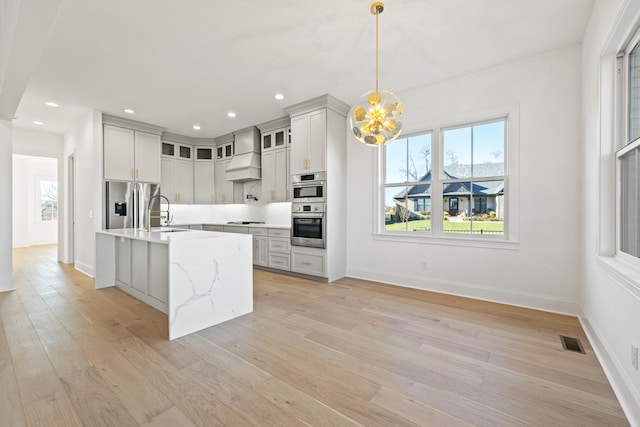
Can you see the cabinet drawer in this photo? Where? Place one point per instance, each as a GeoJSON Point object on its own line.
{"type": "Point", "coordinates": [278, 244]}
{"type": "Point", "coordinates": [308, 263]}
{"type": "Point", "coordinates": [280, 261]}
{"type": "Point", "coordinates": [206, 227]}
{"type": "Point", "coordinates": [279, 232]}
{"type": "Point", "coordinates": [234, 229]}
{"type": "Point", "coordinates": [258, 231]}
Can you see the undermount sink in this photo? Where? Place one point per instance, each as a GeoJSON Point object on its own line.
{"type": "Point", "coordinates": [167, 230]}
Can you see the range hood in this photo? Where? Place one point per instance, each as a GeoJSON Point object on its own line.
{"type": "Point", "coordinates": [246, 161]}
{"type": "Point", "coordinates": [244, 167]}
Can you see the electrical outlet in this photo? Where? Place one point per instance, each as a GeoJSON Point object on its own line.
{"type": "Point", "coordinates": [425, 266]}
{"type": "Point", "coordinates": [634, 356]}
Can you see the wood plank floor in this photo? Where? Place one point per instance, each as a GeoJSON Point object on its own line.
{"type": "Point", "coordinates": [342, 354]}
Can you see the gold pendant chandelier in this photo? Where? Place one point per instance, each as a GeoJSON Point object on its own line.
{"type": "Point", "coordinates": [377, 118]}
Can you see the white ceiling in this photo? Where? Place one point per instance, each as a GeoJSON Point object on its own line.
{"type": "Point", "coordinates": [180, 63]}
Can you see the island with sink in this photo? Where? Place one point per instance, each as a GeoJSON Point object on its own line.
{"type": "Point", "coordinates": [197, 278]}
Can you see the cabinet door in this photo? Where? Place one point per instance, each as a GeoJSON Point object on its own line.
{"type": "Point", "coordinates": [281, 175]}
{"type": "Point", "coordinates": [147, 157]}
{"type": "Point", "coordinates": [260, 253]}
{"type": "Point", "coordinates": [118, 153]}
{"type": "Point", "coordinates": [274, 175]}
{"type": "Point", "coordinates": [123, 262]}
{"type": "Point", "coordinates": [204, 178]}
{"type": "Point", "coordinates": [139, 264]}
{"type": "Point", "coordinates": [184, 182]}
{"type": "Point", "coordinates": [317, 141]}
{"type": "Point", "coordinates": [168, 180]}
{"type": "Point", "coordinates": [159, 272]}
{"type": "Point", "coordinates": [220, 183]}
{"type": "Point", "coordinates": [269, 176]}
{"type": "Point", "coordinates": [299, 144]}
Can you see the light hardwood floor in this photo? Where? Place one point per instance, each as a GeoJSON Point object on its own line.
{"type": "Point", "coordinates": [347, 353]}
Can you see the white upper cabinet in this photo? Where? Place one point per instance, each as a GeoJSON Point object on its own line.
{"type": "Point", "coordinates": [118, 153]}
{"type": "Point", "coordinates": [177, 180]}
{"type": "Point", "coordinates": [309, 142]}
{"type": "Point", "coordinates": [131, 155]}
{"type": "Point", "coordinates": [226, 192]}
{"type": "Point", "coordinates": [147, 157]}
{"type": "Point", "coordinates": [275, 175]}
{"type": "Point", "coordinates": [184, 181]}
{"type": "Point", "coordinates": [204, 182]}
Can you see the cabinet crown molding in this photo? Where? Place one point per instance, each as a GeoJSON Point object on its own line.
{"type": "Point", "coordinates": [224, 139]}
{"type": "Point", "coordinates": [275, 124]}
{"type": "Point", "coordinates": [323, 101]}
{"type": "Point", "coordinates": [108, 119]}
{"type": "Point", "coordinates": [174, 137]}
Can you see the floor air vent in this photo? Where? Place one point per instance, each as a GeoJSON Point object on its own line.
{"type": "Point", "coordinates": [572, 344]}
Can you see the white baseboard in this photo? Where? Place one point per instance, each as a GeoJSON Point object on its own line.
{"type": "Point", "coordinates": [537, 302]}
{"type": "Point", "coordinates": [7, 286]}
{"type": "Point", "coordinates": [85, 268]}
{"type": "Point", "coordinates": [629, 400]}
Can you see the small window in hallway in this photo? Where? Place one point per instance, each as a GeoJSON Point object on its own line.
{"type": "Point", "coordinates": [48, 200]}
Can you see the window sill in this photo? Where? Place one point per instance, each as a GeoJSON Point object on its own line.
{"type": "Point", "coordinates": [485, 243]}
{"type": "Point", "coordinates": [624, 272]}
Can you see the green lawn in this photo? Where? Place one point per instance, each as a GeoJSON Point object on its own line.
{"type": "Point", "coordinates": [425, 224]}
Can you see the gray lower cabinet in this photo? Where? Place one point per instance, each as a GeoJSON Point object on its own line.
{"type": "Point", "coordinates": [279, 249]}
{"type": "Point", "coordinates": [142, 270]}
{"type": "Point", "coordinates": [260, 241]}
{"type": "Point", "coordinates": [271, 246]}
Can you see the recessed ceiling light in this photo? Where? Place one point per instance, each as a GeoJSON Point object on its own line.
{"type": "Point", "coordinates": [37, 122]}
{"type": "Point", "coordinates": [129, 111]}
{"type": "Point", "coordinates": [51, 104]}
{"type": "Point", "coordinates": [196, 127]}
{"type": "Point", "coordinates": [279, 96]}
{"type": "Point", "coordinates": [231, 114]}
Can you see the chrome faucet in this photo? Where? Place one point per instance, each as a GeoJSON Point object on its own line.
{"type": "Point", "coordinates": [167, 218]}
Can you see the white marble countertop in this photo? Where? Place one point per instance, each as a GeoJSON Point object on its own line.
{"type": "Point", "coordinates": [163, 234]}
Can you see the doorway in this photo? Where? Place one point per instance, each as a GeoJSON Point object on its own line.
{"type": "Point", "coordinates": [35, 201]}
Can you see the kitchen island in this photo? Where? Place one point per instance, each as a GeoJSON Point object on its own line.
{"type": "Point", "coordinates": [197, 278]}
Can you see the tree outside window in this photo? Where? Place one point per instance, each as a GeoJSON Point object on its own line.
{"type": "Point", "coordinates": [48, 200]}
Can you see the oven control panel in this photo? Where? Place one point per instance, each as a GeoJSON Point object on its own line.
{"type": "Point", "coordinates": [307, 207]}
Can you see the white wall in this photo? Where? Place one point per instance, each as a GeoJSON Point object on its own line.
{"type": "Point", "coordinates": [611, 303]}
{"type": "Point", "coordinates": [542, 271]}
{"type": "Point", "coordinates": [6, 177]}
{"type": "Point", "coordinates": [39, 144]}
{"type": "Point", "coordinates": [28, 228]}
{"type": "Point", "coordinates": [85, 142]}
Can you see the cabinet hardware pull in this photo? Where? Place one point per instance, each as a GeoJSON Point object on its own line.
{"type": "Point", "coordinates": [307, 263]}
{"type": "Point", "coordinates": [277, 262]}
{"type": "Point", "coordinates": [136, 173]}
{"type": "Point", "coordinates": [132, 175]}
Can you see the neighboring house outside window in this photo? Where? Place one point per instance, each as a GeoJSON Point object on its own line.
{"type": "Point", "coordinates": [48, 200]}
{"type": "Point", "coordinates": [471, 184]}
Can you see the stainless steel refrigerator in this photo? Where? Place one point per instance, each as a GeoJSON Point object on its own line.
{"type": "Point", "coordinates": [127, 204]}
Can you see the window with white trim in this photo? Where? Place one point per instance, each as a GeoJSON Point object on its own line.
{"type": "Point", "coordinates": [463, 193]}
{"type": "Point", "coordinates": [628, 153]}
{"type": "Point", "coordinates": [48, 200]}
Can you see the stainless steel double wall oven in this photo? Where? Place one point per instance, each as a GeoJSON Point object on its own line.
{"type": "Point", "coordinates": [308, 213]}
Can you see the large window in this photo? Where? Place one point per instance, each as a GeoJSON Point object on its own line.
{"type": "Point", "coordinates": [628, 155]}
{"type": "Point", "coordinates": [48, 200]}
{"type": "Point", "coordinates": [407, 184]}
{"type": "Point", "coordinates": [462, 193]}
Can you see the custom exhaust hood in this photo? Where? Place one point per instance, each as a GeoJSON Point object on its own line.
{"type": "Point", "coordinates": [246, 162]}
